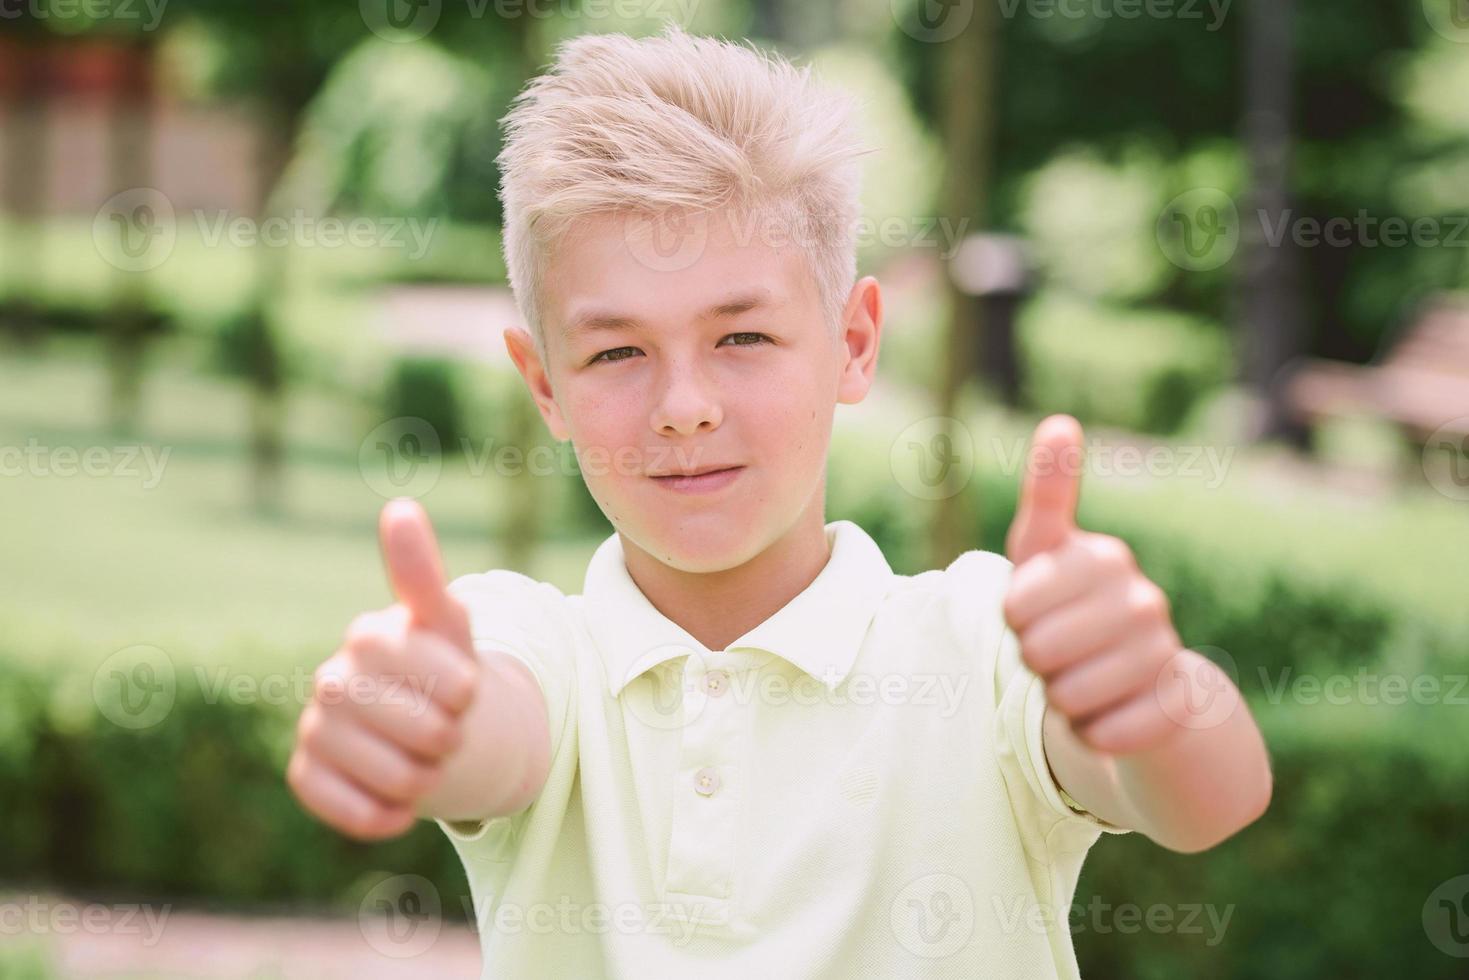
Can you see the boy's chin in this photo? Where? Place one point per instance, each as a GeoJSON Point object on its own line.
{"type": "Point", "coordinates": [702, 544]}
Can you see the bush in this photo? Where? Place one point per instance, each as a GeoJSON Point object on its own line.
{"type": "Point", "coordinates": [1139, 369]}
{"type": "Point", "coordinates": [427, 388]}
{"type": "Point", "coordinates": [195, 811]}
{"type": "Point", "coordinates": [1331, 882]}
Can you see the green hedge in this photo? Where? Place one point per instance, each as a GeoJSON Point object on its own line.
{"type": "Point", "coordinates": [193, 809]}
{"type": "Point", "coordinates": [1331, 882]}
{"type": "Point", "coordinates": [1136, 368]}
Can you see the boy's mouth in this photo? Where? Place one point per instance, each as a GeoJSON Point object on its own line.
{"type": "Point", "coordinates": [704, 479]}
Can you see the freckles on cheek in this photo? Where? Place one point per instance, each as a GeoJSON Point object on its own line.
{"type": "Point", "coordinates": [603, 418]}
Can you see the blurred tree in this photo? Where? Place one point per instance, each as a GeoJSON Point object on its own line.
{"type": "Point", "coordinates": [969, 62]}
{"type": "Point", "coordinates": [1087, 82]}
{"type": "Point", "coordinates": [127, 324]}
{"type": "Point", "coordinates": [22, 80]}
{"type": "Point", "coordinates": [1272, 331]}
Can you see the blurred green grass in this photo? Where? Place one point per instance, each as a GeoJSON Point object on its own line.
{"type": "Point", "coordinates": [104, 563]}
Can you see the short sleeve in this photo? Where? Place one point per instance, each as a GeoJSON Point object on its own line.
{"type": "Point", "coordinates": [1045, 816]}
{"type": "Point", "coordinates": [1019, 728]}
{"type": "Point", "coordinates": [518, 615]}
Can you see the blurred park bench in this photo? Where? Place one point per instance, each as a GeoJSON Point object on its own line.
{"type": "Point", "coordinates": [1421, 381]}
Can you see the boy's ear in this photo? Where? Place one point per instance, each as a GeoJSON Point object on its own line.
{"type": "Point", "coordinates": [860, 337]}
{"type": "Point", "coordinates": [522, 349]}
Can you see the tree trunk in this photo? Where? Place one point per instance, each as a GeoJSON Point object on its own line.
{"type": "Point", "coordinates": [24, 192]}
{"type": "Point", "coordinates": [1270, 327]}
{"type": "Point", "coordinates": [128, 322]}
{"type": "Point", "coordinates": [968, 122]}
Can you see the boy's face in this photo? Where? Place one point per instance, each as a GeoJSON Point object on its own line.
{"type": "Point", "coordinates": [645, 375]}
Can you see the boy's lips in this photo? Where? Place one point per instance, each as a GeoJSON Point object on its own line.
{"type": "Point", "coordinates": [703, 480]}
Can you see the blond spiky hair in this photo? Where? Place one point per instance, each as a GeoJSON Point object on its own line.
{"type": "Point", "coordinates": [677, 121]}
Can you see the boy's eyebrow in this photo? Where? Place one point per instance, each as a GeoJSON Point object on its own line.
{"type": "Point", "coordinates": [741, 302]}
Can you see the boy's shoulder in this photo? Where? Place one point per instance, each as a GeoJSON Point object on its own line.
{"type": "Point", "coordinates": [968, 595]}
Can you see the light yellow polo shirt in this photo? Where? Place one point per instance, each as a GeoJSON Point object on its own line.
{"type": "Point", "coordinates": [854, 788]}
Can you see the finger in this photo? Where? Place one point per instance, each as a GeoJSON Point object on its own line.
{"type": "Point", "coordinates": [430, 734]}
{"type": "Point", "coordinates": [1046, 512]}
{"type": "Point", "coordinates": [1052, 579]}
{"type": "Point", "coordinates": [439, 673]}
{"type": "Point", "coordinates": [1078, 630]}
{"type": "Point", "coordinates": [1141, 721]}
{"type": "Point", "coordinates": [416, 571]}
{"type": "Point", "coordinates": [425, 729]}
{"type": "Point", "coordinates": [333, 799]}
{"type": "Point", "coordinates": [373, 764]}
{"type": "Point", "coordinates": [1104, 681]}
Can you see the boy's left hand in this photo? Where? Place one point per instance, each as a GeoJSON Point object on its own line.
{"type": "Point", "coordinates": [1088, 620]}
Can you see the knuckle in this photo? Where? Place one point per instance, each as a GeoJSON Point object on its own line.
{"type": "Point", "coordinates": [409, 781]}
{"type": "Point", "coordinates": [1037, 658]}
{"type": "Point", "coordinates": [1112, 553]}
{"type": "Point", "coordinates": [362, 626]}
{"type": "Point", "coordinates": [294, 770]}
{"type": "Point", "coordinates": [457, 685]}
{"type": "Point", "coordinates": [310, 730]}
{"type": "Point", "coordinates": [1064, 698]}
{"type": "Point", "coordinates": [329, 679]}
{"type": "Point", "coordinates": [440, 736]}
{"type": "Point", "coordinates": [1012, 607]}
{"type": "Point", "coordinates": [1148, 601]}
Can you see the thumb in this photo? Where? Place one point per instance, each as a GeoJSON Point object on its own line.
{"type": "Point", "coordinates": [416, 571]}
{"type": "Point", "coordinates": [1046, 513]}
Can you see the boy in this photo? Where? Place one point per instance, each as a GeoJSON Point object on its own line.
{"type": "Point", "coordinates": [748, 748]}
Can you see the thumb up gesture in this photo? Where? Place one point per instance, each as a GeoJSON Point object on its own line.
{"type": "Point", "coordinates": [385, 707]}
{"type": "Point", "coordinates": [1088, 621]}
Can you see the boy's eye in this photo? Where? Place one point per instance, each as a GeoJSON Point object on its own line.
{"type": "Point", "coordinates": [605, 355]}
{"type": "Point", "coordinates": [623, 353]}
{"type": "Point", "coordinates": [759, 338]}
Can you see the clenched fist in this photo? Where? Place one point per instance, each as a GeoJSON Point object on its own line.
{"type": "Point", "coordinates": [386, 708]}
{"type": "Point", "coordinates": [1089, 622]}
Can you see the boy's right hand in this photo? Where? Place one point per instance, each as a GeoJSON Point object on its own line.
{"type": "Point", "coordinates": [385, 708]}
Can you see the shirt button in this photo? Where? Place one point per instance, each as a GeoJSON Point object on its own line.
{"type": "Point", "coordinates": [706, 781]}
{"type": "Point", "coordinates": [715, 683]}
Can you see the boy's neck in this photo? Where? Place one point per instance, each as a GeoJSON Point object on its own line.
{"type": "Point", "coordinates": [717, 608]}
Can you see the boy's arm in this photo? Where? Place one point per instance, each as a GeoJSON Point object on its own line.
{"type": "Point", "coordinates": [1141, 732]}
{"type": "Point", "coordinates": [1196, 787]}
{"type": "Point", "coordinates": [505, 756]}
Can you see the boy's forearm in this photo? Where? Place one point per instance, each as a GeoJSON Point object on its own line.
{"type": "Point", "coordinates": [1188, 793]}
{"type": "Point", "coordinates": [502, 763]}
{"type": "Point", "coordinates": [1203, 785]}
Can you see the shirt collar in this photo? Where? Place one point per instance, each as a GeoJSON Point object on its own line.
{"type": "Point", "coordinates": [820, 630]}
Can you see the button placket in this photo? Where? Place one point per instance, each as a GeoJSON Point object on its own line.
{"type": "Point", "coordinates": [704, 831]}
